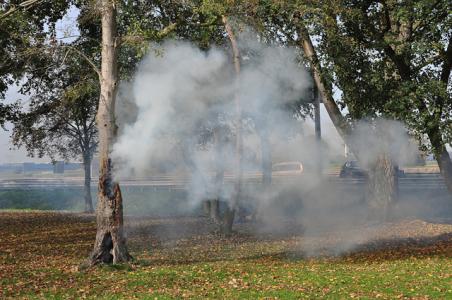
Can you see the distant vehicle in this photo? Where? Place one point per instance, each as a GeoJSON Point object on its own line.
{"type": "Point", "coordinates": [287, 168]}
{"type": "Point", "coordinates": [352, 169]}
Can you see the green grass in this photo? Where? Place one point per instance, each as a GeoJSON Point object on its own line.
{"type": "Point", "coordinates": [141, 200]}
{"type": "Point", "coordinates": [40, 253]}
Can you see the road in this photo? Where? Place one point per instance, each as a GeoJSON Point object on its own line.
{"type": "Point", "coordinates": [410, 181]}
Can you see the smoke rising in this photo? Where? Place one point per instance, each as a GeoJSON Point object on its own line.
{"type": "Point", "coordinates": [182, 93]}
{"type": "Point", "coordinates": [181, 96]}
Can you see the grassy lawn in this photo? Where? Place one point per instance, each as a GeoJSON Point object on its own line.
{"type": "Point", "coordinates": [183, 257]}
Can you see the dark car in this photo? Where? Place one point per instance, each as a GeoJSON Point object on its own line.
{"type": "Point", "coordinates": [352, 169]}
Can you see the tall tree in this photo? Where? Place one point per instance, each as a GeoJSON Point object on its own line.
{"type": "Point", "coordinates": [110, 245]}
{"type": "Point", "coordinates": [401, 54]}
{"type": "Point", "coordinates": [59, 77]}
{"type": "Point", "coordinates": [291, 23]}
{"type": "Point", "coordinates": [60, 118]}
{"type": "Point", "coordinates": [389, 59]}
{"type": "Point", "coordinates": [61, 125]}
{"type": "Point", "coordinates": [238, 168]}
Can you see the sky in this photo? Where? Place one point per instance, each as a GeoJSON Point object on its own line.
{"type": "Point", "coordinates": [16, 155]}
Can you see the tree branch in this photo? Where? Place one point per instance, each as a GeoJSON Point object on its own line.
{"type": "Point", "coordinates": [232, 39]}
{"type": "Point", "coordinates": [445, 72]}
{"type": "Point", "coordinates": [86, 58]}
{"type": "Point", "coordinates": [139, 38]}
{"type": "Point", "coordinates": [325, 91]}
{"type": "Point", "coordinates": [24, 5]}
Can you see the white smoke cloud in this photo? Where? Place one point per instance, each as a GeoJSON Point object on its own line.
{"type": "Point", "coordinates": [182, 89]}
{"type": "Point", "coordinates": [181, 93]}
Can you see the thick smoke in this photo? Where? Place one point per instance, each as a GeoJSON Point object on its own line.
{"type": "Point", "coordinates": [373, 138]}
{"type": "Point", "coordinates": [181, 95]}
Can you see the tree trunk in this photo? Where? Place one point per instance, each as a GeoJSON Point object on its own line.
{"type": "Point", "coordinates": [266, 159]}
{"type": "Point", "coordinates": [206, 207]}
{"type": "Point", "coordinates": [228, 220]}
{"type": "Point", "coordinates": [442, 157]}
{"type": "Point", "coordinates": [219, 144]}
{"type": "Point", "coordinates": [382, 188]}
{"type": "Point", "coordinates": [383, 185]}
{"type": "Point", "coordinates": [339, 121]}
{"type": "Point", "coordinates": [110, 245]}
{"type": "Point", "coordinates": [445, 166]}
{"type": "Point", "coordinates": [318, 131]}
{"type": "Point", "coordinates": [434, 132]}
{"type": "Point", "coordinates": [215, 210]}
{"type": "Point", "coordinates": [266, 167]}
{"type": "Point", "coordinates": [87, 184]}
{"type": "Point", "coordinates": [230, 212]}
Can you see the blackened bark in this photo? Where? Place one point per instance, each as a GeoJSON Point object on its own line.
{"type": "Point", "coordinates": [87, 184]}
{"type": "Point", "coordinates": [110, 245]}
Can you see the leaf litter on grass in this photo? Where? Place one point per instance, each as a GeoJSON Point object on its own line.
{"type": "Point", "coordinates": [186, 257]}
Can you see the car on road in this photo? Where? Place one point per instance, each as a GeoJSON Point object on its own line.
{"type": "Point", "coordinates": [352, 169]}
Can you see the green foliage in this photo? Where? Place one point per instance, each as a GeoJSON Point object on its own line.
{"type": "Point", "coordinates": [60, 118]}
{"type": "Point", "coordinates": [22, 36]}
{"type": "Point", "coordinates": [22, 33]}
{"type": "Point", "coordinates": [390, 59]}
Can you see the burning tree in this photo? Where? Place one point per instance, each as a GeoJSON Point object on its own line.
{"type": "Point", "coordinates": [110, 245]}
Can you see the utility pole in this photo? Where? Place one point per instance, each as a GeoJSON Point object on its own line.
{"type": "Point", "coordinates": [316, 101]}
{"type": "Point", "coordinates": [318, 129]}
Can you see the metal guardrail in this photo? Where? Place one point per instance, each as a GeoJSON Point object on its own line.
{"type": "Point", "coordinates": [411, 180]}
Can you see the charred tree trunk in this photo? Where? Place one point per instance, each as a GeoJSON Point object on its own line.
{"type": "Point", "coordinates": [382, 188]}
{"type": "Point", "coordinates": [230, 212]}
{"type": "Point", "coordinates": [87, 184]}
{"type": "Point", "coordinates": [110, 245]}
